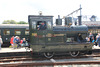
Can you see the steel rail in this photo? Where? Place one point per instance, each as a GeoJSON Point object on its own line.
{"type": "Point", "coordinates": [28, 58]}
{"type": "Point", "coordinates": [49, 63]}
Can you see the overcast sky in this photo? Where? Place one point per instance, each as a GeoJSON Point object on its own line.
{"type": "Point", "coordinates": [19, 10]}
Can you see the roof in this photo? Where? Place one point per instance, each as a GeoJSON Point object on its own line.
{"type": "Point", "coordinates": [14, 25]}
{"type": "Point", "coordinates": [90, 23]}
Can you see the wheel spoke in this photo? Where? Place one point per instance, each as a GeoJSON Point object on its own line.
{"type": "Point", "coordinates": [74, 53]}
{"type": "Point", "coordinates": [48, 54]}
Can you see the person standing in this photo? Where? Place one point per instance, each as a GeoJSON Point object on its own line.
{"type": "Point", "coordinates": [11, 41]}
{"type": "Point", "coordinates": [1, 42]}
{"type": "Point", "coordinates": [24, 41]}
{"type": "Point", "coordinates": [14, 42]}
{"type": "Point", "coordinates": [91, 37]}
{"type": "Point", "coordinates": [18, 42]}
{"type": "Point", "coordinates": [97, 36]}
{"type": "Point", "coordinates": [98, 40]}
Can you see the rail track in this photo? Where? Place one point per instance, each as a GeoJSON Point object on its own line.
{"type": "Point", "coordinates": [28, 61]}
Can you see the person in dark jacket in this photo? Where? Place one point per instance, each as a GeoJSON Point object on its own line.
{"type": "Point", "coordinates": [91, 37]}
{"type": "Point", "coordinates": [42, 26]}
{"type": "Point", "coordinates": [98, 40]}
{"type": "Point", "coordinates": [79, 38]}
{"type": "Point", "coordinates": [18, 42]}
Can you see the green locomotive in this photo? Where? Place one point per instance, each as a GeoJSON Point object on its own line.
{"type": "Point", "coordinates": [48, 39]}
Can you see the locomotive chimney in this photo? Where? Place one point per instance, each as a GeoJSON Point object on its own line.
{"type": "Point", "coordinates": [79, 20]}
{"type": "Point", "coordinates": [58, 16]}
{"type": "Point", "coordinates": [79, 17]}
{"type": "Point", "coordinates": [58, 21]}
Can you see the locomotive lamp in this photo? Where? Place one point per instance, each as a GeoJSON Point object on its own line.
{"type": "Point", "coordinates": [40, 12]}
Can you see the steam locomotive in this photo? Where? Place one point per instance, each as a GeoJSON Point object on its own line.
{"type": "Point", "coordinates": [56, 39]}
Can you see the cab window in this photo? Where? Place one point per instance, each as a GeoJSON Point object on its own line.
{"type": "Point", "coordinates": [34, 25]}
{"type": "Point", "coordinates": [41, 25]}
{"type": "Point", "coordinates": [49, 25]}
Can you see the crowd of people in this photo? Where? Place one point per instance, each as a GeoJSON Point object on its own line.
{"type": "Point", "coordinates": [90, 38]}
{"type": "Point", "coordinates": [96, 41]}
{"type": "Point", "coordinates": [17, 43]}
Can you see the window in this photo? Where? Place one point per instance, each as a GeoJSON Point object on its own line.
{"type": "Point", "coordinates": [6, 32]}
{"type": "Point", "coordinates": [90, 30]}
{"type": "Point", "coordinates": [41, 25]}
{"type": "Point", "coordinates": [0, 32]}
{"type": "Point", "coordinates": [17, 32]}
{"type": "Point", "coordinates": [49, 25]}
{"type": "Point", "coordinates": [26, 32]}
{"type": "Point", "coordinates": [34, 25]}
{"type": "Point", "coordinates": [71, 39]}
{"type": "Point", "coordinates": [98, 30]}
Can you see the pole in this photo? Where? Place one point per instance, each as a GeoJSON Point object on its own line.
{"type": "Point", "coordinates": [80, 9]}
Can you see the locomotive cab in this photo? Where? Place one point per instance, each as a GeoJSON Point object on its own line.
{"type": "Point", "coordinates": [40, 29]}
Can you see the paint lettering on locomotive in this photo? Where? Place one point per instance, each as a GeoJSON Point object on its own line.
{"type": "Point", "coordinates": [34, 34]}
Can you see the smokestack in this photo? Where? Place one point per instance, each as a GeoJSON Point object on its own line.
{"type": "Point", "coordinates": [79, 20]}
{"type": "Point", "coordinates": [58, 16]}
{"type": "Point", "coordinates": [79, 17]}
{"type": "Point", "coordinates": [58, 21]}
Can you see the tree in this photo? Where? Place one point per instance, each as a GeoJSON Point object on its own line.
{"type": "Point", "coordinates": [22, 22]}
{"type": "Point", "coordinates": [13, 22]}
{"type": "Point", "coordinates": [9, 22]}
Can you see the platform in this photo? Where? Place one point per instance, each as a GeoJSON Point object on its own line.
{"type": "Point", "coordinates": [95, 47]}
{"type": "Point", "coordinates": [9, 50]}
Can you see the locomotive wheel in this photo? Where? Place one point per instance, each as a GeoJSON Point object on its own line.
{"type": "Point", "coordinates": [74, 53]}
{"type": "Point", "coordinates": [48, 54]}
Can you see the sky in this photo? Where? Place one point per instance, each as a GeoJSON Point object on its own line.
{"type": "Point", "coordinates": [19, 10]}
